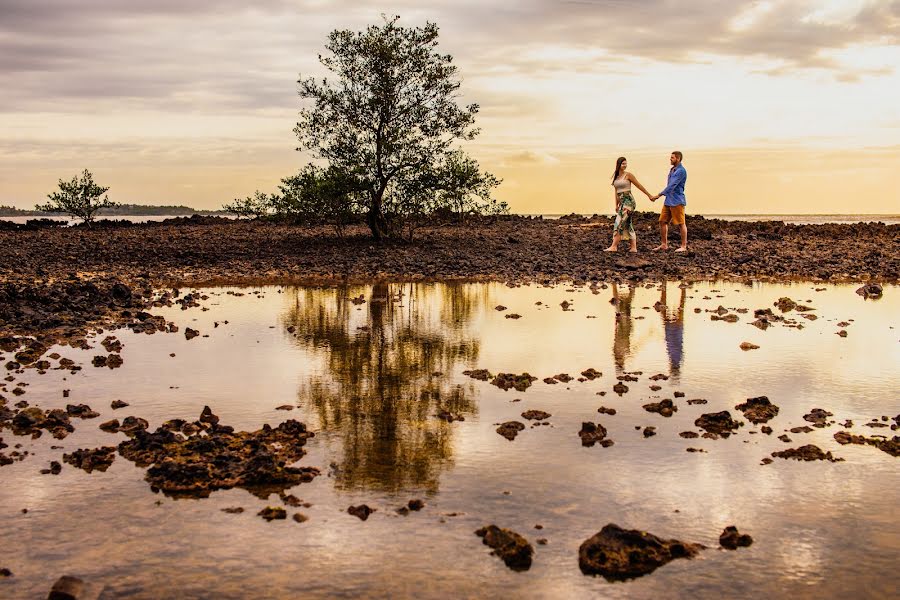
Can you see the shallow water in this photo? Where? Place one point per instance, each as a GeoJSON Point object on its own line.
{"type": "Point", "coordinates": [368, 379]}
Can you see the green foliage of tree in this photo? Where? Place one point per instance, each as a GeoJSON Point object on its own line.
{"type": "Point", "coordinates": [255, 206]}
{"type": "Point", "coordinates": [390, 118]}
{"type": "Point", "coordinates": [321, 195]}
{"type": "Point", "coordinates": [80, 197]}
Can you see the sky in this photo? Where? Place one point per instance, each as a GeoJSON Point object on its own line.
{"type": "Point", "coordinates": [779, 106]}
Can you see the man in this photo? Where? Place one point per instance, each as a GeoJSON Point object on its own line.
{"type": "Point", "coordinates": [673, 207]}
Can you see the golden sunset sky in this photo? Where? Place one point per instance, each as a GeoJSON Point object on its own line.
{"type": "Point", "coordinates": [788, 106]}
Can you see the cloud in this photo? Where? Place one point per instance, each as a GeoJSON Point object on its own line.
{"type": "Point", "coordinates": [226, 55]}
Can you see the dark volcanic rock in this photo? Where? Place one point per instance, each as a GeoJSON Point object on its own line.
{"type": "Point", "coordinates": [216, 457]}
{"type": "Point", "coordinates": [591, 374]}
{"type": "Point", "coordinates": [82, 411]}
{"type": "Point", "coordinates": [98, 459]}
{"type": "Point", "coordinates": [719, 423]}
{"type": "Point", "coordinates": [819, 417]}
{"type": "Point", "coordinates": [536, 415]}
{"type": "Point", "coordinates": [618, 554]}
{"type": "Point", "coordinates": [115, 404]}
{"type": "Point", "coordinates": [758, 410]}
{"type": "Point", "coordinates": [665, 407]}
{"type": "Point", "coordinates": [362, 511]}
{"type": "Point", "coordinates": [270, 513]}
{"type": "Point", "coordinates": [507, 381]}
{"type": "Point", "coordinates": [870, 290]}
{"type": "Point", "coordinates": [731, 538]}
{"type": "Point", "coordinates": [508, 545]}
{"type": "Point", "coordinates": [479, 374]}
{"type": "Point", "coordinates": [593, 433]}
{"type": "Point", "coordinates": [890, 446]}
{"type": "Point", "coordinates": [606, 411]}
{"type": "Point", "coordinates": [808, 452]}
{"type": "Point", "coordinates": [510, 429]}
{"type": "Point", "coordinates": [620, 388]}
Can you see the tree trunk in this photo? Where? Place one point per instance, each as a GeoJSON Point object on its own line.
{"type": "Point", "coordinates": [375, 219]}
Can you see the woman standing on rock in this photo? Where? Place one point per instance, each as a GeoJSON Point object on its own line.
{"type": "Point", "coordinates": [625, 205]}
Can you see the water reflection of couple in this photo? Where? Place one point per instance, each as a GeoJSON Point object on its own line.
{"type": "Point", "coordinates": [673, 328]}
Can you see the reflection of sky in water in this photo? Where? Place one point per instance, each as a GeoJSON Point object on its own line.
{"type": "Point", "coordinates": [369, 378]}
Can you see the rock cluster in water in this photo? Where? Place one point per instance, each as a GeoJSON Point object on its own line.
{"type": "Point", "coordinates": [617, 554]}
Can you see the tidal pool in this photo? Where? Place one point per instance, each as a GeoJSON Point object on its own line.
{"type": "Point", "coordinates": [367, 368]}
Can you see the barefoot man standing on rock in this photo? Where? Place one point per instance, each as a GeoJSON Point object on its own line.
{"type": "Point", "coordinates": [673, 207]}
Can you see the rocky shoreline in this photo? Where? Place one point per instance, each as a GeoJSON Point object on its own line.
{"type": "Point", "coordinates": [55, 279]}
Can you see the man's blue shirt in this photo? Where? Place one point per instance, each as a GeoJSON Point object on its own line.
{"type": "Point", "coordinates": [674, 191]}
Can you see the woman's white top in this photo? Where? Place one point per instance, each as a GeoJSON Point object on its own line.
{"type": "Point", "coordinates": [622, 184]}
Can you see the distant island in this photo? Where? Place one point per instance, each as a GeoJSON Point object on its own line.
{"type": "Point", "coordinates": [122, 210]}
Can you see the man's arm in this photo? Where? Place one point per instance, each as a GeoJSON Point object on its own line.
{"type": "Point", "coordinates": [680, 176]}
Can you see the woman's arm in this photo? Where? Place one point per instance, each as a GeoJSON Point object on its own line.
{"type": "Point", "coordinates": [634, 180]}
{"type": "Point", "coordinates": [616, 198]}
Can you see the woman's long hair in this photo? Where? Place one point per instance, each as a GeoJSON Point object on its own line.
{"type": "Point", "coordinates": [619, 162]}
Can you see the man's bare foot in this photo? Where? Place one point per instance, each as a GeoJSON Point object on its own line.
{"type": "Point", "coordinates": [681, 249]}
{"type": "Point", "coordinates": [660, 248]}
{"type": "Point", "coordinates": [633, 250]}
{"type": "Point", "coordinates": [610, 249]}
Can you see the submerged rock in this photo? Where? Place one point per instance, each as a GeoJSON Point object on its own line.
{"type": "Point", "coordinates": [591, 374]}
{"type": "Point", "coordinates": [618, 554]}
{"type": "Point", "coordinates": [731, 538]}
{"type": "Point", "coordinates": [758, 410]}
{"type": "Point", "coordinates": [508, 545]}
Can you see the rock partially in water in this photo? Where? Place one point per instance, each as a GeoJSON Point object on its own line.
{"type": "Point", "coordinates": [591, 374]}
{"type": "Point", "coordinates": [758, 410]}
{"type": "Point", "coordinates": [270, 513]}
{"type": "Point", "coordinates": [82, 411]}
{"type": "Point", "coordinates": [649, 431]}
{"type": "Point", "coordinates": [508, 381]}
{"type": "Point", "coordinates": [618, 554]}
{"type": "Point", "coordinates": [30, 420]}
{"type": "Point", "coordinates": [665, 407]}
{"type": "Point", "coordinates": [508, 545]}
{"type": "Point", "coordinates": [190, 334]}
{"type": "Point", "coordinates": [479, 374]}
{"type": "Point", "coordinates": [593, 433]}
{"type": "Point", "coordinates": [116, 404]}
{"type": "Point", "coordinates": [216, 457]}
{"type": "Point", "coordinates": [98, 459]}
{"type": "Point", "coordinates": [870, 290]}
{"type": "Point", "coordinates": [808, 452]}
{"type": "Point", "coordinates": [890, 446]}
{"type": "Point", "coordinates": [510, 429]}
{"type": "Point", "coordinates": [819, 417]}
{"type": "Point", "coordinates": [718, 423]}
{"type": "Point", "coordinates": [748, 346]}
{"type": "Point", "coordinates": [446, 415]}
{"type": "Point", "coordinates": [111, 426]}
{"type": "Point", "coordinates": [362, 511]}
{"type": "Point", "coordinates": [620, 388]}
{"type": "Point", "coordinates": [732, 539]}
{"type": "Point", "coordinates": [536, 415]}
{"type": "Point", "coordinates": [689, 435]}
{"type": "Point", "coordinates": [606, 411]}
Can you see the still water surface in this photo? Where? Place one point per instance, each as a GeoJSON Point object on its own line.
{"type": "Point", "coordinates": [368, 378]}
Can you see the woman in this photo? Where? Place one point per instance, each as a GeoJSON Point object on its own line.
{"type": "Point", "coordinates": [625, 205]}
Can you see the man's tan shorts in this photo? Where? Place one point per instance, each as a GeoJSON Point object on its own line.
{"type": "Point", "coordinates": [672, 214]}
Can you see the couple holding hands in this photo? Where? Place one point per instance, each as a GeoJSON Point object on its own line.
{"type": "Point", "coordinates": [672, 210]}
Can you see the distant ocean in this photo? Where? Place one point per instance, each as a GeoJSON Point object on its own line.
{"type": "Point", "coordinates": [793, 219]}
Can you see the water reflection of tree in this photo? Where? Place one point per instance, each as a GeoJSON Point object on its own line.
{"type": "Point", "coordinates": [388, 368]}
